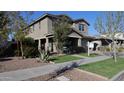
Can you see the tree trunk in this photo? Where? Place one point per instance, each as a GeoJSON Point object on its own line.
{"type": "Point", "coordinates": [56, 44]}
{"type": "Point", "coordinates": [114, 52]}
{"type": "Point", "coordinates": [88, 51]}
{"type": "Point", "coordinates": [39, 48]}
{"type": "Point", "coordinates": [18, 48]}
{"type": "Point", "coordinates": [60, 51]}
{"type": "Point", "coordinates": [21, 47]}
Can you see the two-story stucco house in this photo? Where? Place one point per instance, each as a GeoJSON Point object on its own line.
{"type": "Point", "coordinates": [41, 30]}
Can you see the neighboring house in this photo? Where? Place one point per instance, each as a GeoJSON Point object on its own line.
{"type": "Point", "coordinates": [105, 40]}
{"type": "Point", "coordinates": [118, 35]}
{"type": "Point", "coordinates": [119, 38]}
{"type": "Point", "coordinates": [41, 30]}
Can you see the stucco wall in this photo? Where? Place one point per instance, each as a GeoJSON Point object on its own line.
{"type": "Point", "coordinates": [50, 26]}
{"type": "Point", "coordinates": [45, 28]}
{"type": "Point", "coordinates": [31, 29]}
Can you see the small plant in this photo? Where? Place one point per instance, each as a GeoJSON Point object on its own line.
{"type": "Point", "coordinates": [121, 49]}
{"type": "Point", "coordinates": [30, 52]}
{"type": "Point", "coordinates": [107, 49]}
{"type": "Point", "coordinates": [44, 56]}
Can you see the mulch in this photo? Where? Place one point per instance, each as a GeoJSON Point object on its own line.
{"type": "Point", "coordinates": [81, 75]}
{"type": "Point", "coordinates": [14, 63]}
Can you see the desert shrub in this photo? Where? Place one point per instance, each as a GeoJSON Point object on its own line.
{"type": "Point", "coordinates": [72, 50]}
{"type": "Point", "coordinates": [8, 49]}
{"type": "Point", "coordinates": [30, 52]}
{"type": "Point", "coordinates": [121, 49]}
{"type": "Point", "coordinates": [17, 52]}
{"type": "Point", "coordinates": [107, 48]}
{"type": "Point", "coordinates": [30, 48]}
{"type": "Point", "coordinates": [44, 56]}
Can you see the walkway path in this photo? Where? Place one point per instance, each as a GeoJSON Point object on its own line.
{"type": "Point", "coordinates": [24, 74]}
{"type": "Point", "coordinates": [76, 55]}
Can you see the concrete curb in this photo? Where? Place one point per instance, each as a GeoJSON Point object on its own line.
{"type": "Point", "coordinates": [117, 77]}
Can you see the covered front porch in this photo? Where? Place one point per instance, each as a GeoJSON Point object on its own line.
{"type": "Point", "coordinates": [76, 45]}
{"type": "Point", "coordinates": [46, 44]}
{"type": "Point", "coordinates": [78, 42]}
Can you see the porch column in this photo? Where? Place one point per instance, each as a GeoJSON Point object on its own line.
{"type": "Point", "coordinates": [47, 45]}
{"type": "Point", "coordinates": [39, 44]}
{"type": "Point", "coordinates": [54, 47]}
{"type": "Point", "coordinates": [79, 42]}
{"type": "Point", "coordinates": [88, 51]}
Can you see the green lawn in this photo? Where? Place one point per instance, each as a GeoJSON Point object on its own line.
{"type": "Point", "coordinates": [86, 55]}
{"type": "Point", "coordinates": [107, 68]}
{"type": "Point", "coordinates": [64, 58]}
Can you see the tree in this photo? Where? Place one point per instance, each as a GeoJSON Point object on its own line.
{"type": "Point", "coordinates": [19, 23]}
{"type": "Point", "coordinates": [61, 29]}
{"type": "Point", "coordinates": [19, 36]}
{"type": "Point", "coordinates": [110, 24]}
{"type": "Point", "coordinates": [27, 15]}
{"type": "Point", "coordinates": [4, 21]}
{"type": "Point", "coordinates": [13, 23]}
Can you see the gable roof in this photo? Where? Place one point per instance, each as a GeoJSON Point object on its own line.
{"type": "Point", "coordinates": [42, 17]}
{"type": "Point", "coordinates": [79, 20]}
{"type": "Point", "coordinates": [82, 35]}
{"type": "Point", "coordinates": [56, 17]}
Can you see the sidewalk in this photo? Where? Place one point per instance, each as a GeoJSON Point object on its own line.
{"type": "Point", "coordinates": [24, 74]}
{"type": "Point", "coordinates": [76, 55]}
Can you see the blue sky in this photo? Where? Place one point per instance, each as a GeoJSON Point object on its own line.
{"type": "Point", "coordinates": [89, 16]}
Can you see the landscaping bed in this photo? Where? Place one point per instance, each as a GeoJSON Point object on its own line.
{"type": "Point", "coordinates": [13, 63]}
{"type": "Point", "coordinates": [107, 68]}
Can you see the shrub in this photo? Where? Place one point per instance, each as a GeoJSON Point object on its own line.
{"type": "Point", "coordinates": [30, 52]}
{"type": "Point", "coordinates": [30, 48]}
{"type": "Point", "coordinates": [8, 50]}
{"type": "Point", "coordinates": [121, 49]}
{"type": "Point", "coordinates": [107, 49]}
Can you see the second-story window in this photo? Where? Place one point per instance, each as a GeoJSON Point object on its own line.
{"type": "Point", "coordinates": [81, 27]}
